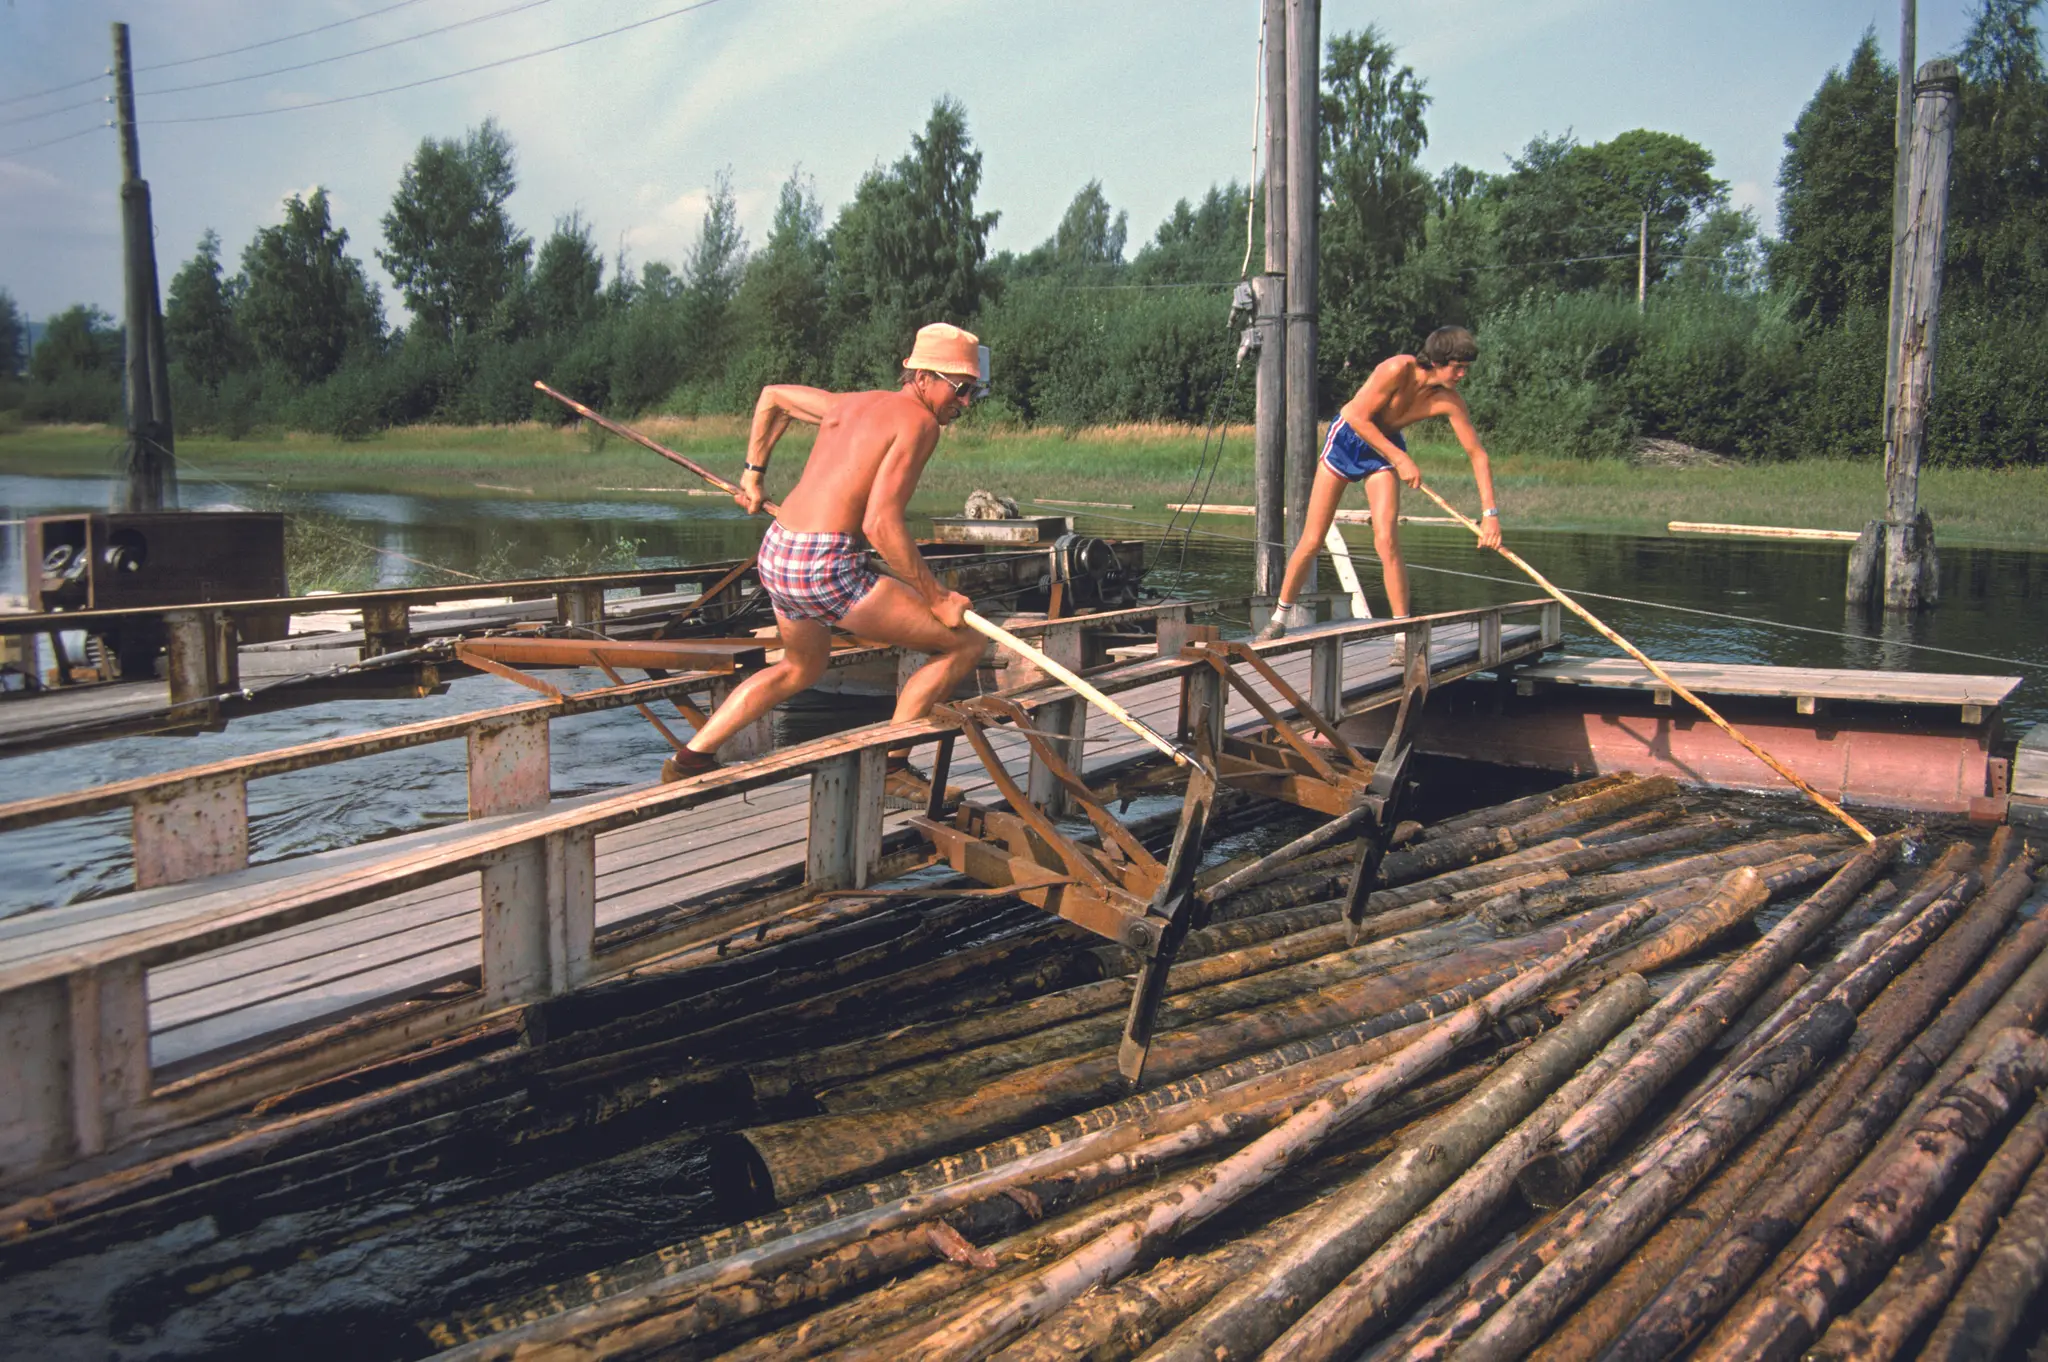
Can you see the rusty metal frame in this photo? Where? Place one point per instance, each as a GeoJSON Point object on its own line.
{"type": "Point", "coordinates": [1118, 890]}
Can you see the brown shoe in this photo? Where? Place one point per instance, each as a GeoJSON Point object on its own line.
{"type": "Point", "coordinates": [906, 787]}
{"type": "Point", "coordinates": [685, 764]}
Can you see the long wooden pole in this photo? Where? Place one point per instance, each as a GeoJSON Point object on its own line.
{"type": "Point", "coordinates": [1676, 687]}
{"type": "Point", "coordinates": [972, 619]}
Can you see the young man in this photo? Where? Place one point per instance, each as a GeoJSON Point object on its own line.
{"type": "Point", "coordinates": [1365, 445]}
{"type": "Point", "coordinates": [870, 451]}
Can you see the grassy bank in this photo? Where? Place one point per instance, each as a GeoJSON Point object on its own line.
{"type": "Point", "coordinates": [1146, 466]}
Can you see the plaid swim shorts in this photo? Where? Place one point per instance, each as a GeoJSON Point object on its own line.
{"type": "Point", "coordinates": [813, 574]}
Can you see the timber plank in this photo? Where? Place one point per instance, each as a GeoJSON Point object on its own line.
{"type": "Point", "coordinates": [1903, 688]}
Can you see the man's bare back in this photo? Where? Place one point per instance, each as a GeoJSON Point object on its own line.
{"type": "Point", "coordinates": [870, 445]}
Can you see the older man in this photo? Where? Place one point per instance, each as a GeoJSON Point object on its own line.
{"type": "Point", "coordinates": [870, 451]}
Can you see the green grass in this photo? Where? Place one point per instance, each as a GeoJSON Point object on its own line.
{"type": "Point", "coordinates": [1147, 466]}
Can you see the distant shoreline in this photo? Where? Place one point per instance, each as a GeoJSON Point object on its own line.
{"type": "Point", "coordinates": [1146, 466]}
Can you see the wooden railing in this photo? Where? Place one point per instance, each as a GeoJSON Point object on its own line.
{"type": "Point", "coordinates": [75, 1071]}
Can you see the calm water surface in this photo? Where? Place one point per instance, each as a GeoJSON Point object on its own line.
{"type": "Point", "coordinates": [1995, 603]}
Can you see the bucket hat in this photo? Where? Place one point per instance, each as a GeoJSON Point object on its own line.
{"type": "Point", "coordinates": [943, 348]}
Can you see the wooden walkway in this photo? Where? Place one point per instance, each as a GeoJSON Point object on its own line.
{"type": "Point", "coordinates": [215, 982]}
{"type": "Point", "coordinates": [412, 943]}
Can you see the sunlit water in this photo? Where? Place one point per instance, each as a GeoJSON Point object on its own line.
{"type": "Point", "coordinates": [1995, 605]}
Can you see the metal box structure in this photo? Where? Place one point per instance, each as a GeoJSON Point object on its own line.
{"type": "Point", "coordinates": [157, 558]}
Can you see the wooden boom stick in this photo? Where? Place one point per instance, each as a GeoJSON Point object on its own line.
{"type": "Point", "coordinates": [1665, 677]}
{"type": "Point", "coordinates": [972, 619]}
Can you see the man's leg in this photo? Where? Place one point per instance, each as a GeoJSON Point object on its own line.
{"type": "Point", "coordinates": [806, 644]}
{"type": "Point", "coordinates": [1383, 494]}
{"type": "Point", "coordinates": [892, 613]}
{"type": "Point", "coordinates": [1324, 494]}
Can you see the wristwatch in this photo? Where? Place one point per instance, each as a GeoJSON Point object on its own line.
{"type": "Point", "coordinates": [1490, 513]}
{"type": "Point", "coordinates": [757, 468]}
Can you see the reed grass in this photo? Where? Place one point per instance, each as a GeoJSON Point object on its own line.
{"type": "Point", "coordinates": [1145, 465]}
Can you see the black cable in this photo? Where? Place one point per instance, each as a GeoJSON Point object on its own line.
{"type": "Point", "coordinates": [67, 137]}
{"type": "Point", "coordinates": [210, 56]}
{"type": "Point", "coordinates": [451, 75]}
{"type": "Point", "coordinates": [344, 56]}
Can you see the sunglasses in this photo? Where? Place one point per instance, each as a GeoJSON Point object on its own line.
{"type": "Point", "coordinates": [968, 386]}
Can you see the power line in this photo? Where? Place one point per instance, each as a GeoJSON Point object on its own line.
{"type": "Point", "coordinates": [344, 56]}
{"type": "Point", "coordinates": [273, 42]}
{"type": "Point", "coordinates": [210, 56]}
{"type": "Point", "coordinates": [67, 137]}
{"type": "Point", "coordinates": [451, 75]}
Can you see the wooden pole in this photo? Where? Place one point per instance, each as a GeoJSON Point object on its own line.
{"type": "Point", "coordinates": [1269, 447]}
{"type": "Point", "coordinates": [1911, 576]}
{"type": "Point", "coordinates": [973, 620]}
{"type": "Point", "coordinates": [1304, 144]}
{"type": "Point", "coordinates": [151, 469]}
{"type": "Point", "coordinates": [1676, 687]}
{"type": "Point", "coordinates": [1902, 155]}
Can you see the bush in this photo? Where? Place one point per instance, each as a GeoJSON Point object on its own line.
{"type": "Point", "coordinates": [1075, 357]}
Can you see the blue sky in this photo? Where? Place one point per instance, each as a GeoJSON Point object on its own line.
{"type": "Point", "coordinates": [1152, 97]}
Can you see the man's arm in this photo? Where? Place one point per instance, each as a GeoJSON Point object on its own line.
{"type": "Point", "coordinates": [778, 405]}
{"type": "Point", "coordinates": [1482, 469]}
{"type": "Point", "coordinates": [910, 446]}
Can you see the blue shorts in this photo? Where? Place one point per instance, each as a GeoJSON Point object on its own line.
{"type": "Point", "coordinates": [1346, 453]}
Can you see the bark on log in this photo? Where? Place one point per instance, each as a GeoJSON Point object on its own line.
{"type": "Point", "coordinates": [1953, 1043]}
{"type": "Point", "coordinates": [1775, 1210]}
{"type": "Point", "coordinates": [1649, 1270]}
{"type": "Point", "coordinates": [978, 1328]}
{"type": "Point", "coordinates": [1555, 1174]}
{"type": "Point", "coordinates": [1370, 1296]}
{"type": "Point", "coordinates": [1876, 1224]}
{"type": "Point", "coordinates": [1600, 1319]}
{"type": "Point", "coordinates": [884, 1309]}
{"type": "Point", "coordinates": [1924, 1280]}
{"type": "Point", "coordinates": [803, 1156]}
{"type": "Point", "coordinates": [1987, 1309]}
{"type": "Point", "coordinates": [1662, 1179]}
{"type": "Point", "coordinates": [1525, 807]}
{"type": "Point", "coordinates": [1258, 1308]}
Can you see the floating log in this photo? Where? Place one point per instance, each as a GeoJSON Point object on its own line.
{"type": "Point", "coordinates": [1874, 1227]}
{"type": "Point", "coordinates": [1987, 1309]}
{"type": "Point", "coordinates": [1776, 1209]}
{"type": "Point", "coordinates": [1922, 1282]}
{"type": "Point", "coordinates": [1390, 1275]}
{"type": "Point", "coordinates": [1659, 1180]}
{"type": "Point", "coordinates": [1258, 1308]}
{"type": "Point", "coordinates": [1525, 807]}
{"type": "Point", "coordinates": [1555, 1174]}
{"type": "Point", "coordinates": [993, 1318]}
{"type": "Point", "coordinates": [1602, 1319]}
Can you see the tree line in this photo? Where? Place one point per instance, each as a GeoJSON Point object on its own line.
{"type": "Point", "coordinates": [1746, 345]}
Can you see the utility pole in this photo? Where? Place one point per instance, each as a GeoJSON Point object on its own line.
{"type": "Point", "coordinates": [1269, 291]}
{"type": "Point", "coordinates": [1903, 542]}
{"type": "Point", "coordinates": [150, 463]}
{"type": "Point", "coordinates": [1642, 261]}
{"type": "Point", "coordinates": [1304, 147]}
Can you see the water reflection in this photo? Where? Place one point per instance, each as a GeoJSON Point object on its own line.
{"type": "Point", "coordinates": [1994, 601]}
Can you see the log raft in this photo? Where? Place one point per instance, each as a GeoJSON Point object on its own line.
{"type": "Point", "coordinates": [1617, 1069]}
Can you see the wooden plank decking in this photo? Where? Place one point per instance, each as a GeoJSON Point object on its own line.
{"type": "Point", "coordinates": [410, 943]}
{"type": "Point", "coordinates": [1791, 683]}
